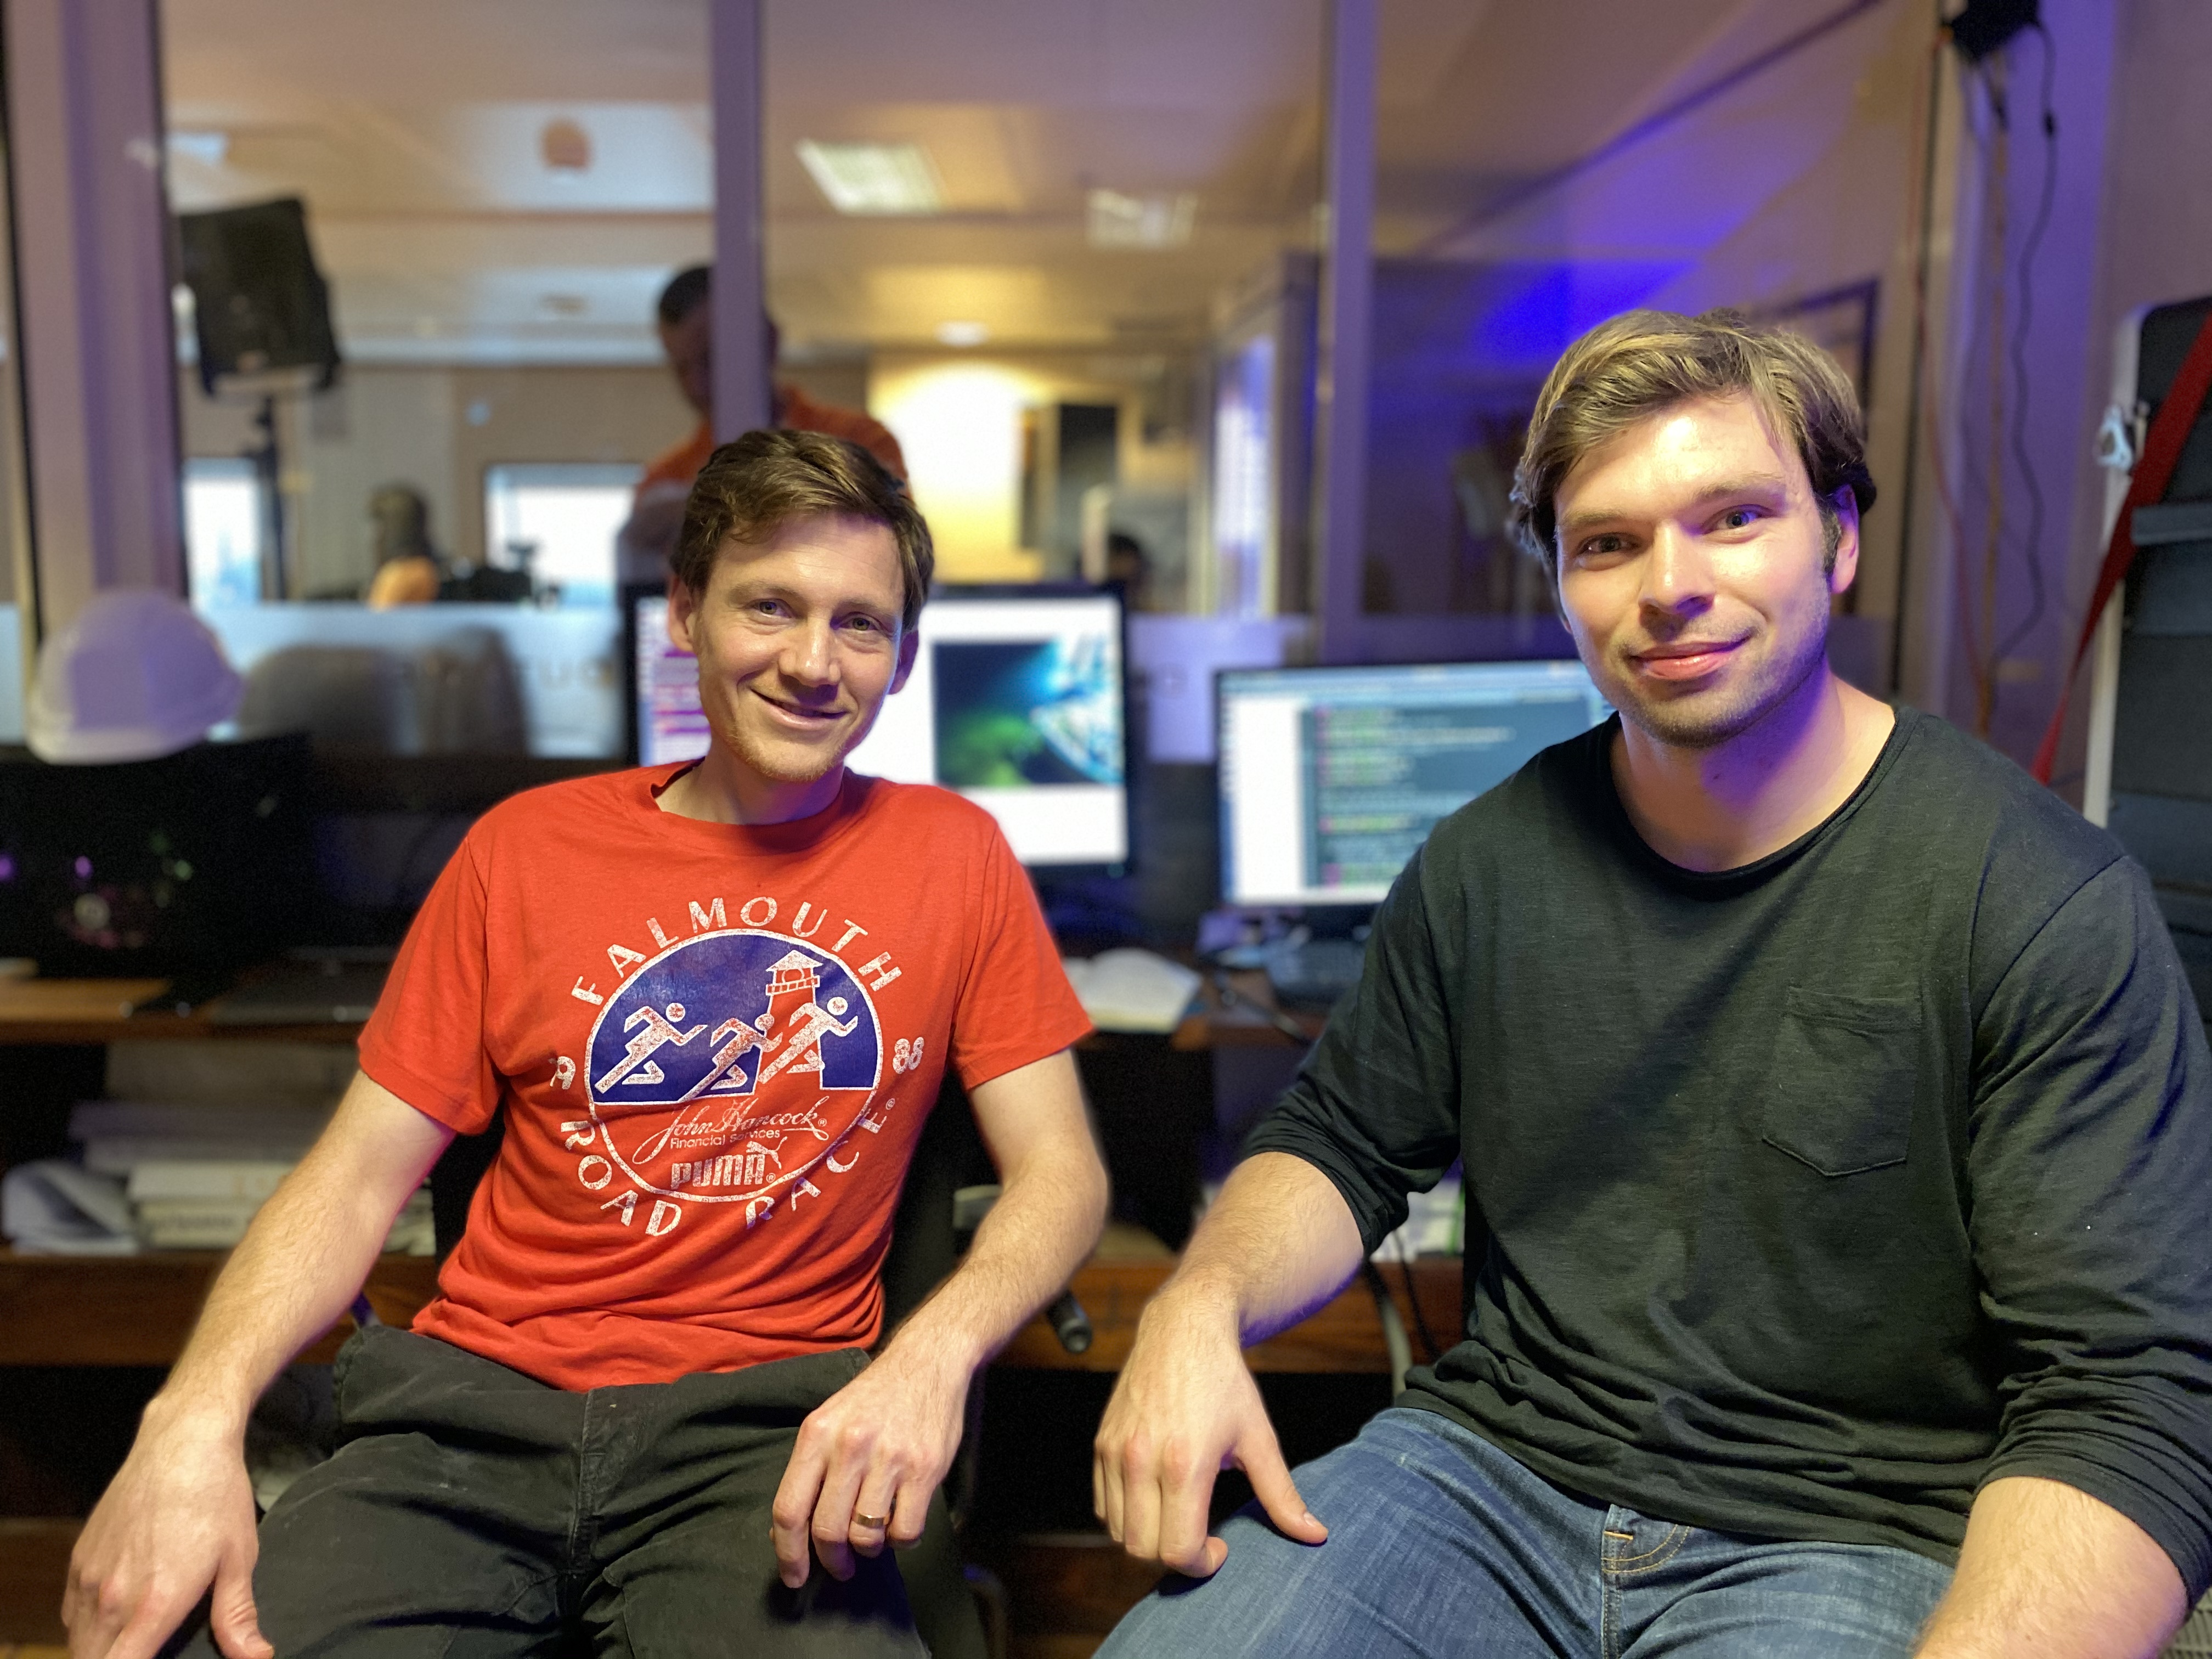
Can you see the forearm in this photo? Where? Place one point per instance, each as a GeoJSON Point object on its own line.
{"type": "Point", "coordinates": [1278, 1242]}
{"type": "Point", "coordinates": [2049, 1573]}
{"type": "Point", "coordinates": [1052, 1202]}
{"type": "Point", "coordinates": [302, 1261]}
{"type": "Point", "coordinates": [1043, 1227]}
{"type": "Point", "coordinates": [299, 1264]}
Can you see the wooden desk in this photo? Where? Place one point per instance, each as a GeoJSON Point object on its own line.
{"type": "Point", "coordinates": [1345, 1336]}
{"type": "Point", "coordinates": [138, 1310]}
{"type": "Point", "coordinates": [97, 1011]}
{"type": "Point", "coordinates": [1212, 1025]}
{"type": "Point", "coordinates": [61, 1010]}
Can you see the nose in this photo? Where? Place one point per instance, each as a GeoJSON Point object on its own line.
{"type": "Point", "coordinates": [1678, 575]}
{"type": "Point", "coordinates": [809, 656]}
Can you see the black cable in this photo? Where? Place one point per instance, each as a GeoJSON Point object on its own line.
{"type": "Point", "coordinates": [2038, 594]}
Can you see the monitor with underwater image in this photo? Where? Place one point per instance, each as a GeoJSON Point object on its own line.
{"type": "Point", "coordinates": [1017, 701]}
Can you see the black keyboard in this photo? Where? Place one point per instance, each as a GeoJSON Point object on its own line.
{"type": "Point", "coordinates": [1316, 973]}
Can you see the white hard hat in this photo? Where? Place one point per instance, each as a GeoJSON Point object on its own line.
{"type": "Point", "coordinates": [134, 677]}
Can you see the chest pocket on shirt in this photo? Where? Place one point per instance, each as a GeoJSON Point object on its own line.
{"type": "Point", "coordinates": [1839, 1097]}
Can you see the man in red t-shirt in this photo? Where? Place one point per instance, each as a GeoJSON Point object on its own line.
{"type": "Point", "coordinates": [712, 1004]}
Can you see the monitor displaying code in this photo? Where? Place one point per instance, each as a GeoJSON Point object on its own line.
{"type": "Point", "coordinates": [1331, 778]}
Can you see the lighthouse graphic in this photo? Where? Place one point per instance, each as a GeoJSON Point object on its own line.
{"type": "Point", "coordinates": [733, 1059]}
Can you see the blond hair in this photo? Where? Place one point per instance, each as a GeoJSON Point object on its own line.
{"type": "Point", "coordinates": [1630, 367]}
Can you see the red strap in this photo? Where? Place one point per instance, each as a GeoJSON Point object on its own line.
{"type": "Point", "coordinates": [2161, 453]}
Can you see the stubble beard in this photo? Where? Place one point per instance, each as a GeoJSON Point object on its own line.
{"type": "Point", "coordinates": [1694, 722]}
{"type": "Point", "coordinates": [763, 754]}
{"type": "Point", "coordinates": [781, 763]}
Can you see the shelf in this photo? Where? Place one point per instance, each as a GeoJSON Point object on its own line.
{"type": "Point", "coordinates": [138, 1310]}
{"type": "Point", "coordinates": [61, 1010]}
{"type": "Point", "coordinates": [37, 1551]}
{"type": "Point", "coordinates": [1345, 1335]}
{"type": "Point", "coordinates": [58, 1011]}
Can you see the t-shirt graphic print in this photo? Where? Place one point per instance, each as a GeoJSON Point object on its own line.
{"type": "Point", "coordinates": [728, 1069]}
{"type": "Point", "coordinates": [714, 1046]}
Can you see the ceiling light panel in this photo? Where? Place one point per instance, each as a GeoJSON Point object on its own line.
{"type": "Point", "coordinates": [1150, 221]}
{"type": "Point", "coordinates": [872, 178]}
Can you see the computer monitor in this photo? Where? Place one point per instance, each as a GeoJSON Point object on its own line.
{"type": "Point", "coordinates": [1017, 702]}
{"type": "Point", "coordinates": [666, 722]}
{"type": "Point", "coordinates": [1331, 777]}
{"type": "Point", "coordinates": [199, 862]}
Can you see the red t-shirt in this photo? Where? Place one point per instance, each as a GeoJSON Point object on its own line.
{"type": "Point", "coordinates": [715, 1046]}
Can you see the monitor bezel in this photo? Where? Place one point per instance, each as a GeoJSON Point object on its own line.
{"type": "Point", "coordinates": [1074, 590]}
{"type": "Point", "coordinates": [1223, 839]}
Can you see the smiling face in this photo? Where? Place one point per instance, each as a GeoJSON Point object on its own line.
{"type": "Point", "coordinates": [1693, 570]}
{"type": "Point", "coordinates": [799, 642]}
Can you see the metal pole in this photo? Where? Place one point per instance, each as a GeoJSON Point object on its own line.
{"type": "Point", "coordinates": [742, 393]}
{"type": "Point", "coordinates": [96, 352]}
{"type": "Point", "coordinates": [1346, 304]}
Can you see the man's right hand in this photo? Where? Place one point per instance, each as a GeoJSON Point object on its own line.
{"type": "Point", "coordinates": [178, 1518]}
{"type": "Point", "coordinates": [1184, 1409]}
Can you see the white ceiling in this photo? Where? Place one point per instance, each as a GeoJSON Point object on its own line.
{"type": "Point", "coordinates": [413, 128]}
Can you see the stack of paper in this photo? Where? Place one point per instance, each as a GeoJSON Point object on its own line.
{"type": "Point", "coordinates": [217, 1224]}
{"type": "Point", "coordinates": [200, 1204]}
{"type": "Point", "coordinates": [1131, 990]}
{"type": "Point", "coordinates": [193, 1176]}
{"type": "Point", "coordinates": [118, 1135]}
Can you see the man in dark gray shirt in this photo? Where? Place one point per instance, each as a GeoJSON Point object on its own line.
{"type": "Point", "coordinates": [1838, 1134]}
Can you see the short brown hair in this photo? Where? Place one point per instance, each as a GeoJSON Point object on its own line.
{"type": "Point", "coordinates": [755, 485]}
{"type": "Point", "coordinates": [1632, 366]}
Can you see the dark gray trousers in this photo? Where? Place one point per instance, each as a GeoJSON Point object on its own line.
{"type": "Point", "coordinates": [472, 1512]}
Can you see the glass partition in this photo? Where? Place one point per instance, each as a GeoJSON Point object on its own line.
{"type": "Point", "coordinates": [558, 520]}
{"type": "Point", "coordinates": [493, 198]}
{"type": "Point", "coordinates": [1021, 239]}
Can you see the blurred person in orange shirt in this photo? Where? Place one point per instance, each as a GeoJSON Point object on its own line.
{"type": "Point", "coordinates": [685, 324]}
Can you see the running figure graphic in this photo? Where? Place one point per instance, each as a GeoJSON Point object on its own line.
{"type": "Point", "coordinates": [636, 1067]}
{"type": "Point", "coordinates": [801, 1051]}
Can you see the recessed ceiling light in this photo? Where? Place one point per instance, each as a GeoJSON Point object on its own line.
{"type": "Point", "coordinates": [865, 178]}
{"type": "Point", "coordinates": [962, 334]}
{"type": "Point", "coordinates": [1118, 221]}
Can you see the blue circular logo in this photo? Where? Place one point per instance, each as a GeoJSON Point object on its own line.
{"type": "Point", "coordinates": [732, 1063]}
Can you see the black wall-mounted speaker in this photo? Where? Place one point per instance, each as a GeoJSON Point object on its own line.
{"type": "Point", "coordinates": [262, 309]}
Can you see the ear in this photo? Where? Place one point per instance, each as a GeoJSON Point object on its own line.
{"type": "Point", "coordinates": [1845, 566]}
{"type": "Point", "coordinates": [683, 615]}
{"type": "Point", "coordinates": [909, 648]}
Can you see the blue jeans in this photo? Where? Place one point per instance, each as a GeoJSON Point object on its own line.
{"type": "Point", "coordinates": [1441, 1545]}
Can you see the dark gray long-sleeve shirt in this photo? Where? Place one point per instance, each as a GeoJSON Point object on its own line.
{"type": "Point", "coordinates": [1810, 1196]}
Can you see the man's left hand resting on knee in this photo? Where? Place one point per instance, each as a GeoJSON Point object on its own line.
{"type": "Point", "coordinates": [712, 1004]}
